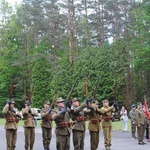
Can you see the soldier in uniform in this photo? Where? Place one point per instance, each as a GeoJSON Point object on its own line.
{"type": "Point", "coordinates": [140, 121]}
{"type": "Point", "coordinates": [133, 121]}
{"type": "Point", "coordinates": [107, 123]}
{"type": "Point", "coordinates": [78, 129]}
{"type": "Point", "coordinates": [29, 125]}
{"type": "Point", "coordinates": [63, 125]}
{"type": "Point", "coordinates": [11, 115]}
{"type": "Point", "coordinates": [46, 125]}
{"type": "Point", "coordinates": [94, 125]}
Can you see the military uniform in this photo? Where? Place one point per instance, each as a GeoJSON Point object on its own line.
{"type": "Point", "coordinates": [78, 129]}
{"type": "Point", "coordinates": [46, 126]}
{"type": "Point", "coordinates": [11, 115]}
{"type": "Point", "coordinates": [63, 126]}
{"type": "Point", "coordinates": [107, 124]}
{"type": "Point", "coordinates": [94, 126]}
{"type": "Point", "coordinates": [140, 121]}
{"type": "Point", "coordinates": [29, 126]}
{"type": "Point", "coordinates": [133, 121]}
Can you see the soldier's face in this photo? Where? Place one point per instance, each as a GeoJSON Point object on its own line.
{"type": "Point", "coordinates": [12, 105]}
{"type": "Point", "coordinates": [75, 104]}
{"type": "Point", "coordinates": [60, 105]}
{"type": "Point", "coordinates": [106, 104]}
{"type": "Point", "coordinates": [46, 106]}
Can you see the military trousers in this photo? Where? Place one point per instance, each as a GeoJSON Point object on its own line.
{"type": "Point", "coordinates": [11, 137]}
{"type": "Point", "coordinates": [46, 135]}
{"type": "Point", "coordinates": [107, 132]}
{"type": "Point", "coordinates": [29, 133]}
{"type": "Point", "coordinates": [78, 139]}
{"type": "Point", "coordinates": [133, 129]}
{"type": "Point", "coordinates": [94, 139]}
{"type": "Point", "coordinates": [63, 142]}
{"type": "Point", "coordinates": [140, 133]}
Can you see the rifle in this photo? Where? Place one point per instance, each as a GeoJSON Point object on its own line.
{"type": "Point", "coordinates": [72, 88]}
{"type": "Point", "coordinates": [53, 101]}
{"type": "Point", "coordinates": [95, 89]}
{"type": "Point", "coordinates": [30, 95]}
{"type": "Point", "coordinates": [86, 89]}
{"type": "Point", "coordinates": [11, 91]}
{"type": "Point", "coordinates": [115, 97]}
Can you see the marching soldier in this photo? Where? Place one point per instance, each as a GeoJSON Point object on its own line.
{"type": "Point", "coordinates": [11, 115]}
{"type": "Point", "coordinates": [140, 121]}
{"type": "Point", "coordinates": [107, 123]}
{"type": "Point", "coordinates": [46, 125]}
{"type": "Point", "coordinates": [78, 129]}
{"type": "Point", "coordinates": [63, 125]}
{"type": "Point", "coordinates": [29, 125]}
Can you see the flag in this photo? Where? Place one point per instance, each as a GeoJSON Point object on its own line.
{"type": "Point", "coordinates": [146, 111]}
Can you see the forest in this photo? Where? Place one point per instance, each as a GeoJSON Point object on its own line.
{"type": "Point", "coordinates": [55, 44]}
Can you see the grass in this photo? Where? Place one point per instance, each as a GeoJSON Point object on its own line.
{"type": "Point", "coordinates": [116, 125]}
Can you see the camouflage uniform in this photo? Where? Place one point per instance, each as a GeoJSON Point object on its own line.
{"type": "Point", "coordinates": [11, 115]}
{"type": "Point", "coordinates": [63, 127]}
{"type": "Point", "coordinates": [46, 126]}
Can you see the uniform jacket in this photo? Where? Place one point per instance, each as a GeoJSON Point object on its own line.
{"type": "Point", "coordinates": [140, 117]}
{"type": "Point", "coordinates": [132, 116]}
{"type": "Point", "coordinates": [93, 115]}
{"type": "Point", "coordinates": [28, 115]}
{"type": "Point", "coordinates": [46, 118]}
{"type": "Point", "coordinates": [58, 118]}
{"type": "Point", "coordinates": [8, 114]}
{"type": "Point", "coordinates": [78, 112]}
{"type": "Point", "coordinates": [106, 113]}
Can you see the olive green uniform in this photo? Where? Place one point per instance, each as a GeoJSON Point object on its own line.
{"type": "Point", "coordinates": [94, 128]}
{"type": "Point", "coordinates": [62, 130]}
{"type": "Point", "coordinates": [140, 120]}
{"type": "Point", "coordinates": [11, 126]}
{"type": "Point", "coordinates": [46, 127]}
{"type": "Point", "coordinates": [107, 125]}
{"type": "Point", "coordinates": [29, 127]}
{"type": "Point", "coordinates": [78, 128]}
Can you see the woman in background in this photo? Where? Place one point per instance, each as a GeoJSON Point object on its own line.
{"type": "Point", "coordinates": [124, 118]}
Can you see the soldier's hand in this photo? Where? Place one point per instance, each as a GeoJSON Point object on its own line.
{"type": "Point", "coordinates": [68, 103]}
{"type": "Point", "coordinates": [8, 102]}
{"type": "Point", "coordinates": [87, 100]}
{"type": "Point", "coordinates": [63, 111]}
{"type": "Point", "coordinates": [91, 108]}
{"type": "Point", "coordinates": [28, 104]}
{"type": "Point", "coordinates": [49, 110]}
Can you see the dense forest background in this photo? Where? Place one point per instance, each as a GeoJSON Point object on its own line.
{"type": "Point", "coordinates": [49, 43]}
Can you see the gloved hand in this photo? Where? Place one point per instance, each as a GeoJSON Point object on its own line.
{"type": "Point", "coordinates": [68, 103]}
{"type": "Point", "coordinates": [49, 110]}
{"type": "Point", "coordinates": [8, 102]}
{"type": "Point", "coordinates": [52, 107]}
{"type": "Point", "coordinates": [28, 104]}
{"type": "Point", "coordinates": [91, 107]}
{"type": "Point", "coordinates": [87, 100]}
{"type": "Point", "coordinates": [63, 111]}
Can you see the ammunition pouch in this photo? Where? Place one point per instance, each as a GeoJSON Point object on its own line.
{"type": "Point", "coordinates": [13, 120]}
{"type": "Point", "coordinates": [64, 124]}
{"type": "Point", "coordinates": [80, 119]}
{"type": "Point", "coordinates": [107, 118]}
{"type": "Point", "coordinates": [94, 120]}
{"type": "Point", "coordinates": [47, 119]}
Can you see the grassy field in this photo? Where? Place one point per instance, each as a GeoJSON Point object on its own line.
{"type": "Point", "coordinates": [117, 125]}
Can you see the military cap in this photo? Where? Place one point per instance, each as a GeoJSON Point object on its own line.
{"type": "Point", "coordinates": [133, 105]}
{"type": "Point", "coordinates": [105, 101]}
{"type": "Point", "coordinates": [139, 103]}
{"type": "Point", "coordinates": [47, 102]}
{"type": "Point", "coordinates": [60, 99]}
{"type": "Point", "coordinates": [95, 102]}
{"type": "Point", "coordinates": [75, 99]}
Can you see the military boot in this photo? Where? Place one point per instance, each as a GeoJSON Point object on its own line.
{"type": "Point", "coordinates": [107, 148]}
